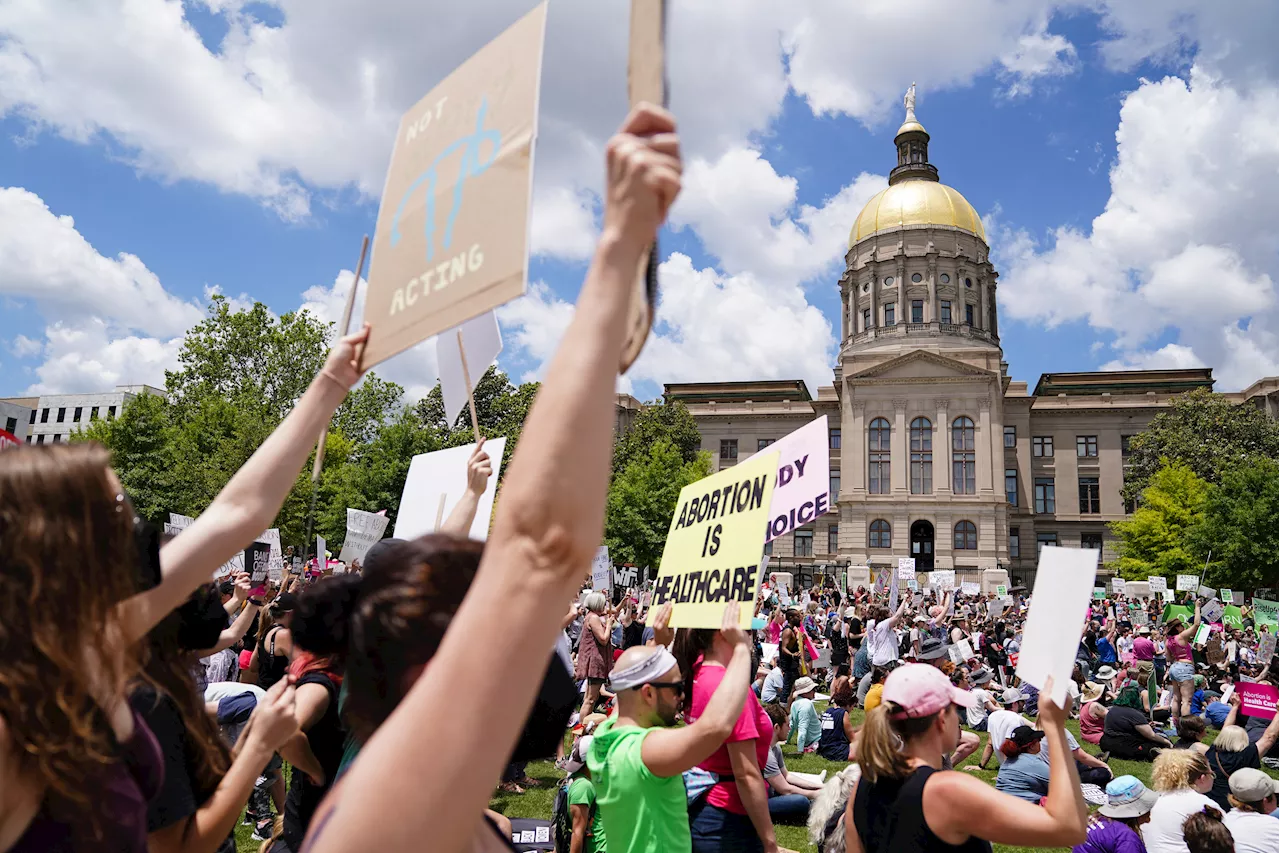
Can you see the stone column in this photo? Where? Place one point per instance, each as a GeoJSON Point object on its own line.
{"type": "Point", "coordinates": [982, 446]}
{"type": "Point", "coordinates": [942, 449]}
{"type": "Point", "coordinates": [844, 314]}
{"type": "Point", "coordinates": [933, 291]}
{"type": "Point", "coordinates": [899, 458]}
{"type": "Point", "coordinates": [900, 279]}
{"type": "Point", "coordinates": [982, 304]}
{"type": "Point", "coordinates": [876, 320]}
{"type": "Point", "coordinates": [853, 446]}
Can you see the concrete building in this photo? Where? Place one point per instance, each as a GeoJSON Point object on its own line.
{"type": "Point", "coordinates": [52, 418]}
{"type": "Point", "coordinates": [936, 453]}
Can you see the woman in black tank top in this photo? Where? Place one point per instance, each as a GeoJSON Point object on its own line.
{"type": "Point", "coordinates": [275, 644]}
{"type": "Point", "coordinates": [900, 750]}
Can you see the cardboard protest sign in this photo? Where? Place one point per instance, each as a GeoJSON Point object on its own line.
{"type": "Point", "coordinates": [1266, 612]}
{"type": "Point", "coordinates": [970, 588]}
{"type": "Point", "coordinates": [714, 544]}
{"type": "Point", "coordinates": [1139, 618]}
{"type": "Point", "coordinates": [1117, 585]}
{"type": "Point", "coordinates": [943, 579]}
{"type": "Point", "coordinates": [1157, 584]}
{"type": "Point", "coordinates": [1202, 634]}
{"type": "Point", "coordinates": [1002, 591]}
{"type": "Point", "coordinates": [1237, 596]}
{"type": "Point", "coordinates": [1207, 592]}
{"type": "Point", "coordinates": [995, 608]}
{"type": "Point", "coordinates": [1188, 583]}
{"type": "Point", "coordinates": [275, 568]}
{"type": "Point", "coordinates": [803, 487]}
{"type": "Point", "coordinates": [364, 530]}
{"type": "Point", "coordinates": [625, 576]}
{"type": "Point", "coordinates": [452, 233]}
{"type": "Point", "coordinates": [177, 523]}
{"type": "Point", "coordinates": [1257, 700]}
{"type": "Point", "coordinates": [1166, 594]}
{"type": "Point", "coordinates": [907, 568]}
{"type": "Point", "coordinates": [1212, 612]}
{"type": "Point", "coordinates": [1064, 578]}
{"type": "Point", "coordinates": [257, 561]}
{"type": "Point", "coordinates": [1266, 648]}
{"type": "Point", "coordinates": [482, 343]}
{"type": "Point", "coordinates": [602, 570]}
{"type": "Point", "coordinates": [893, 589]}
{"type": "Point", "coordinates": [960, 652]}
{"type": "Point", "coordinates": [436, 482]}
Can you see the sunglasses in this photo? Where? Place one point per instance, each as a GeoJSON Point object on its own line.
{"type": "Point", "coordinates": [677, 686]}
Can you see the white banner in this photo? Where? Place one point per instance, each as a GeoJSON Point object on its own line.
{"type": "Point", "coordinates": [275, 568]}
{"type": "Point", "coordinates": [943, 580]}
{"type": "Point", "coordinates": [364, 530]}
{"type": "Point", "coordinates": [970, 588]}
{"type": "Point", "coordinates": [436, 482]}
{"type": "Point", "coordinates": [802, 492]}
{"type": "Point", "coordinates": [1117, 585]}
{"type": "Point", "coordinates": [1064, 583]}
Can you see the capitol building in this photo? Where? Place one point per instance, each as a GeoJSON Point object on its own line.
{"type": "Point", "coordinates": [936, 453]}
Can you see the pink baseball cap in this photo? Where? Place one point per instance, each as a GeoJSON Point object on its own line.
{"type": "Point", "coordinates": [921, 690]}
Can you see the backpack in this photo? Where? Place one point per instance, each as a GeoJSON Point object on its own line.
{"type": "Point", "coordinates": [561, 820]}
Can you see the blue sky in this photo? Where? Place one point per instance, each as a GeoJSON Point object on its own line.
{"type": "Point", "coordinates": [241, 146]}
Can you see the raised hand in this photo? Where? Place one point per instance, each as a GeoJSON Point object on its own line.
{"type": "Point", "coordinates": [643, 174]}
{"type": "Point", "coordinates": [243, 586]}
{"type": "Point", "coordinates": [479, 469]}
{"type": "Point", "coordinates": [663, 635]}
{"type": "Point", "coordinates": [729, 628]}
{"type": "Point", "coordinates": [342, 365]}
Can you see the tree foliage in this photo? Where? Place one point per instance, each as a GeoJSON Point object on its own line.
{"type": "Point", "coordinates": [642, 499]}
{"type": "Point", "coordinates": [240, 373]}
{"type": "Point", "coordinates": [1238, 530]}
{"type": "Point", "coordinates": [1154, 541]}
{"type": "Point", "coordinates": [658, 421]}
{"type": "Point", "coordinates": [1205, 432]}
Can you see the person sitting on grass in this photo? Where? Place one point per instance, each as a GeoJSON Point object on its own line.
{"type": "Point", "coordinates": [1115, 827]}
{"type": "Point", "coordinates": [1127, 732]}
{"type": "Point", "coordinates": [1251, 819]}
{"type": "Point", "coordinates": [1204, 832]}
{"type": "Point", "coordinates": [789, 797]}
{"type": "Point", "coordinates": [1183, 778]}
{"type": "Point", "coordinates": [1191, 734]}
{"type": "Point", "coordinates": [839, 736]}
{"type": "Point", "coordinates": [804, 717]}
{"type": "Point", "coordinates": [1023, 774]}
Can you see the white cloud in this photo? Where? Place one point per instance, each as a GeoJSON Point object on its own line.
{"type": "Point", "coordinates": [85, 357]}
{"type": "Point", "coordinates": [1187, 241]}
{"type": "Point", "coordinates": [563, 224]}
{"type": "Point", "coordinates": [534, 324]}
{"type": "Point", "coordinates": [1037, 55]}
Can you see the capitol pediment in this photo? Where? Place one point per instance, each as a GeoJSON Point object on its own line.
{"type": "Point", "coordinates": [918, 365]}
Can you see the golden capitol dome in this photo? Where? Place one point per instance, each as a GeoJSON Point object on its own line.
{"type": "Point", "coordinates": [914, 195]}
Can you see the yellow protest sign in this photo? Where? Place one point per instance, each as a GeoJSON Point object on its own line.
{"type": "Point", "coordinates": [713, 549]}
{"type": "Point", "coordinates": [452, 229]}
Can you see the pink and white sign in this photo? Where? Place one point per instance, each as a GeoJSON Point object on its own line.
{"type": "Point", "coordinates": [803, 490]}
{"type": "Point", "coordinates": [1257, 700]}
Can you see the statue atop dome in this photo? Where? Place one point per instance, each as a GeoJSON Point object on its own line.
{"type": "Point", "coordinates": [909, 101]}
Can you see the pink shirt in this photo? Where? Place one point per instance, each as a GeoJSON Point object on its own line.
{"type": "Point", "coordinates": [1143, 649]}
{"type": "Point", "coordinates": [753, 724]}
{"type": "Point", "coordinates": [1177, 650]}
{"type": "Point", "coordinates": [775, 632]}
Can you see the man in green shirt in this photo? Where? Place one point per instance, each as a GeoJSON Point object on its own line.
{"type": "Point", "coordinates": [588, 830]}
{"type": "Point", "coordinates": [636, 758]}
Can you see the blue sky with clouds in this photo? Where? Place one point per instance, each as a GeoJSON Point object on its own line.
{"type": "Point", "coordinates": [1123, 154]}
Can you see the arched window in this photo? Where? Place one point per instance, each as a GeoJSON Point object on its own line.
{"type": "Point", "coordinates": [921, 457]}
{"type": "Point", "coordinates": [878, 457]}
{"type": "Point", "coordinates": [966, 536]}
{"type": "Point", "coordinates": [963, 468]}
{"type": "Point", "coordinates": [881, 534]}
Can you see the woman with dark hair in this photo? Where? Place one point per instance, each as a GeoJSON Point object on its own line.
{"type": "Point", "coordinates": [274, 645]}
{"type": "Point", "coordinates": [431, 774]}
{"type": "Point", "coordinates": [734, 814]}
{"type": "Point", "coordinates": [1204, 832]}
{"type": "Point", "coordinates": [1182, 668]}
{"type": "Point", "coordinates": [76, 762]}
{"type": "Point", "coordinates": [1191, 734]}
{"type": "Point", "coordinates": [839, 736]}
{"type": "Point", "coordinates": [906, 803]}
{"type": "Point", "coordinates": [1127, 732]}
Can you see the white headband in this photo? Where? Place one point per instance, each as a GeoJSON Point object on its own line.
{"type": "Point", "coordinates": [643, 671]}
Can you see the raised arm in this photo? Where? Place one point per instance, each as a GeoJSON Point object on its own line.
{"type": "Point", "coordinates": [464, 513]}
{"type": "Point", "coordinates": [1195, 623]}
{"type": "Point", "coordinates": [249, 503]}
{"type": "Point", "coordinates": [892, 621]}
{"type": "Point", "coordinates": [419, 764]}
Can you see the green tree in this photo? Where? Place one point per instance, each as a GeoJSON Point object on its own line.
{"type": "Point", "coordinates": [1153, 540]}
{"type": "Point", "coordinates": [1204, 431]}
{"type": "Point", "coordinates": [659, 420]}
{"type": "Point", "coordinates": [1239, 527]}
{"type": "Point", "coordinates": [642, 499]}
{"type": "Point", "coordinates": [370, 404]}
{"type": "Point", "coordinates": [142, 453]}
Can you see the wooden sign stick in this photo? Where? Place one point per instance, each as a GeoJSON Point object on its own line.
{"type": "Point", "coordinates": [466, 378]}
{"type": "Point", "coordinates": [646, 81]}
{"type": "Point", "coordinates": [343, 328]}
{"type": "Point", "coordinates": [440, 514]}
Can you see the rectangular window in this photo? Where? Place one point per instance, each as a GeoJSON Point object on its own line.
{"type": "Point", "coordinates": [866, 319]}
{"type": "Point", "coordinates": [946, 312]}
{"type": "Point", "coordinates": [1011, 486]}
{"type": "Point", "coordinates": [1092, 540]}
{"type": "Point", "coordinates": [964, 468]}
{"type": "Point", "coordinates": [835, 439]}
{"type": "Point", "coordinates": [833, 539]}
{"type": "Point", "coordinates": [888, 314]}
{"type": "Point", "coordinates": [1044, 495]}
{"type": "Point", "coordinates": [44, 416]}
{"type": "Point", "coordinates": [768, 548]}
{"type": "Point", "coordinates": [33, 416]}
{"type": "Point", "coordinates": [57, 437]}
{"type": "Point", "coordinates": [804, 543]}
{"type": "Point", "coordinates": [762, 443]}
{"type": "Point", "coordinates": [968, 314]}
{"type": "Point", "coordinates": [1015, 545]}
{"type": "Point", "coordinates": [728, 447]}
{"type": "Point", "coordinates": [1042, 445]}
{"type": "Point", "coordinates": [1087, 446]}
{"type": "Point", "coordinates": [1124, 444]}
{"type": "Point", "coordinates": [921, 458]}
{"type": "Point", "coordinates": [835, 486]}
{"type": "Point", "coordinates": [1089, 502]}
{"type": "Point", "coordinates": [93, 413]}
{"type": "Point", "coordinates": [62, 415]}
{"type": "Point", "coordinates": [11, 425]}
{"type": "Point", "coordinates": [39, 439]}
{"type": "Point", "coordinates": [1010, 436]}
{"type": "Point", "coordinates": [111, 413]}
{"type": "Point", "coordinates": [917, 310]}
{"type": "Point", "coordinates": [1043, 539]}
{"type": "Point", "coordinates": [76, 417]}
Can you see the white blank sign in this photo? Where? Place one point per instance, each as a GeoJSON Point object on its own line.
{"type": "Point", "coordinates": [443, 475]}
{"type": "Point", "coordinates": [1059, 603]}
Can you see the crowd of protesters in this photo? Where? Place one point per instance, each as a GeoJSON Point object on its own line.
{"type": "Point", "coordinates": [143, 707]}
